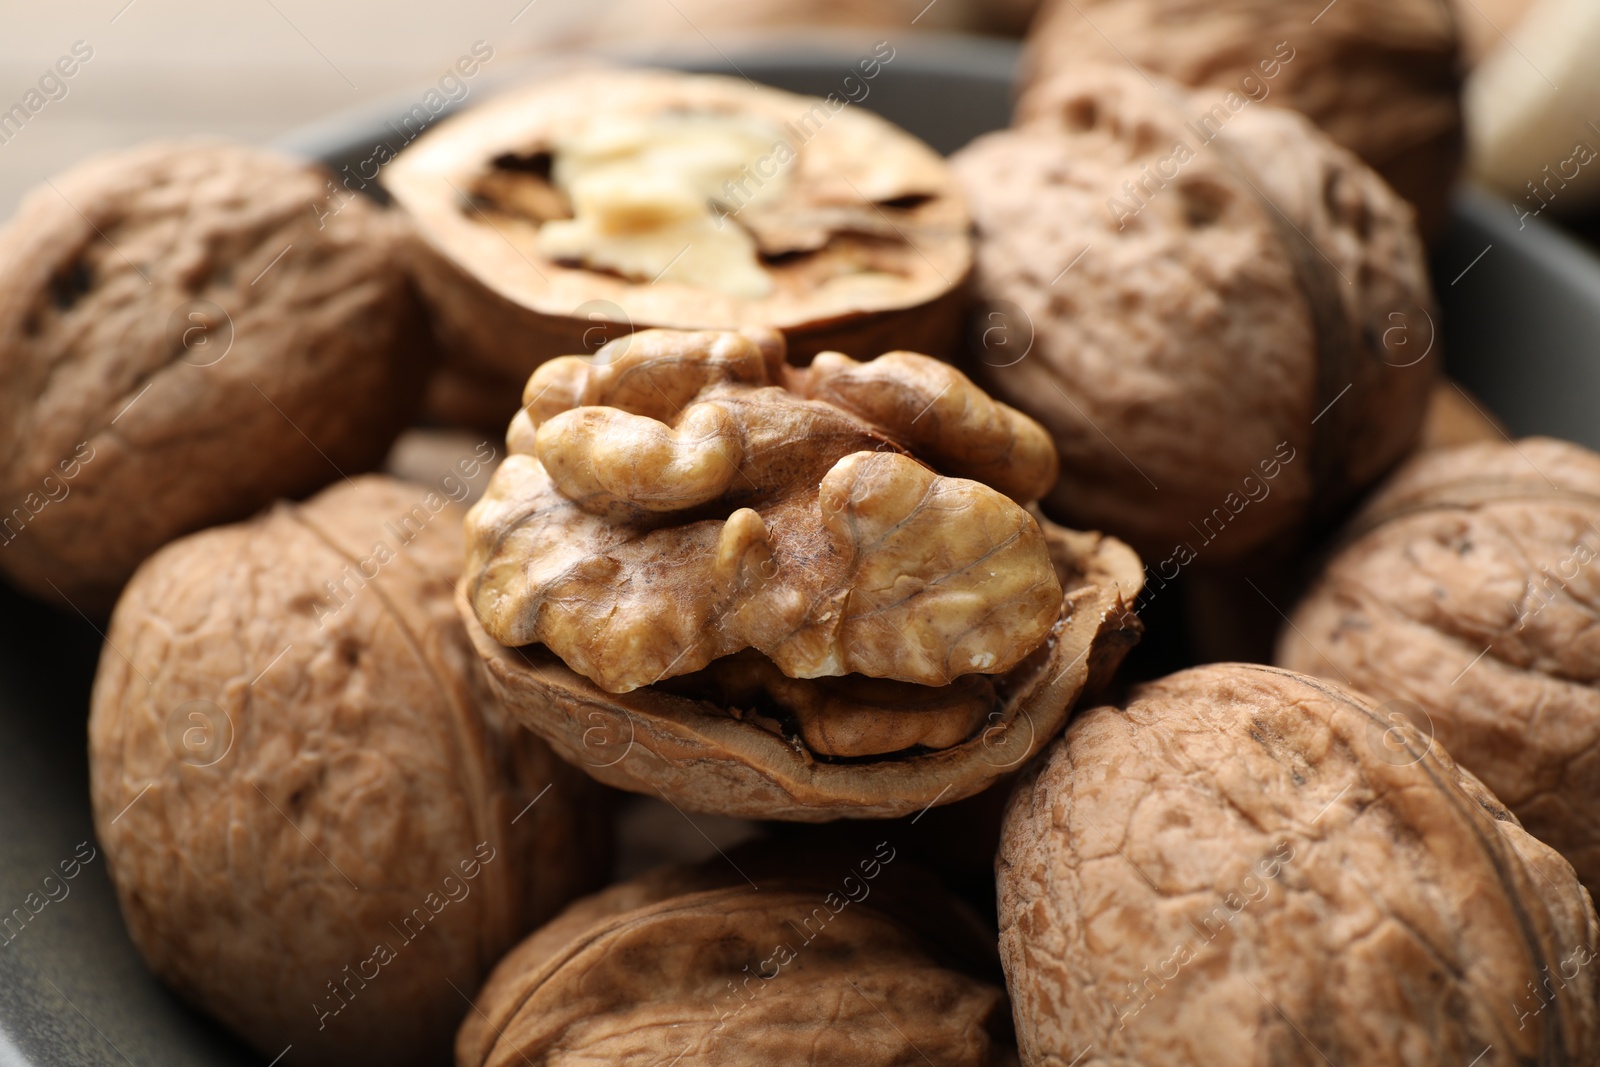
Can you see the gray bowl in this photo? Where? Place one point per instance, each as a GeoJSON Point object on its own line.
{"type": "Point", "coordinates": [1520, 328]}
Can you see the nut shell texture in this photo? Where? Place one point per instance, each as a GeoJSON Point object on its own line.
{"type": "Point", "coordinates": [178, 314]}
{"type": "Point", "coordinates": [1207, 327]}
{"type": "Point", "coordinates": [1465, 597]}
{"type": "Point", "coordinates": [1380, 78]}
{"type": "Point", "coordinates": [812, 963]}
{"type": "Point", "coordinates": [298, 762]}
{"type": "Point", "coordinates": [1235, 868]}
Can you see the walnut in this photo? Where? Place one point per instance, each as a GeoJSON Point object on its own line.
{"type": "Point", "coordinates": [1228, 336]}
{"type": "Point", "coordinates": [182, 341]}
{"type": "Point", "coordinates": [1381, 78]}
{"type": "Point", "coordinates": [315, 814]}
{"type": "Point", "coordinates": [721, 559]}
{"type": "Point", "coordinates": [1244, 865]}
{"type": "Point", "coordinates": [1465, 597]}
{"type": "Point", "coordinates": [1456, 417]}
{"type": "Point", "coordinates": [820, 958]}
{"type": "Point", "coordinates": [585, 206]}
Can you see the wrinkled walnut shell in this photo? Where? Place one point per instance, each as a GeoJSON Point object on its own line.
{"type": "Point", "coordinates": [1380, 77]}
{"type": "Point", "coordinates": [819, 959]}
{"type": "Point", "coordinates": [1237, 868]}
{"type": "Point", "coordinates": [299, 755]}
{"type": "Point", "coordinates": [1239, 348]}
{"type": "Point", "coordinates": [1466, 597]}
{"type": "Point", "coordinates": [182, 341]}
{"type": "Point", "coordinates": [879, 197]}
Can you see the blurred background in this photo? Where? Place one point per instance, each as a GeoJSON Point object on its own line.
{"type": "Point", "coordinates": [255, 69]}
{"type": "Point", "coordinates": [252, 69]}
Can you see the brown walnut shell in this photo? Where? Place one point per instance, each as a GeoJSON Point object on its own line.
{"type": "Point", "coordinates": [315, 813]}
{"type": "Point", "coordinates": [867, 247]}
{"type": "Point", "coordinates": [812, 959]}
{"type": "Point", "coordinates": [1466, 597]}
{"type": "Point", "coordinates": [1248, 866]}
{"type": "Point", "coordinates": [1380, 77]}
{"type": "Point", "coordinates": [1227, 334]}
{"type": "Point", "coordinates": [182, 341]}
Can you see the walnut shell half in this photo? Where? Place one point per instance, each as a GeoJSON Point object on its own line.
{"type": "Point", "coordinates": [847, 233]}
{"type": "Point", "coordinates": [315, 814]}
{"type": "Point", "coordinates": [183, 340]}
{"type": "Point", "coordinates": [1248, 866]}
{"type": "Point", "coordinates": [809, 960]}
{"type": "Point", "coordinates": [1467, 596]}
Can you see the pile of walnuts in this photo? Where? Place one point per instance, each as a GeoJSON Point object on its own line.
{"type": "Point", "coordinates": [768, 549]}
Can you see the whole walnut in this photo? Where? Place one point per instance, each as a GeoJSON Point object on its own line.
{"type": "Point", "coordinates": [316, 817]}
{"type": "Point", "coordinates": [779, 592]}
{"type": "Point", "coordinates": [1465, 596]}
{"type": "Point", "coordinates": [811, 959]}
{"type": "Point", "coordinates": [1248, 866]}
{"type": "Point", "coordinates": [1227, 333]}
{"type": "Point", "coordinates": [188, 331]}
{"type": "Point", "coordinates": [1380, 77]}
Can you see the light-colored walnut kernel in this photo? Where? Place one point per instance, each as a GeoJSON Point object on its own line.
{"type": "Point", "coordinates": [779, 592]}
{"type": "Point", "coordinates": [836, 550]}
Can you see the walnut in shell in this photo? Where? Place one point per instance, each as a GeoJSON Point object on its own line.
{"type": "Point", "coordinates": [818, 959]}
{"type": "Point", "coordinates": [610, 200]}
{"type": "Point", "coordinates": [182, 341]}
{"type": "Point", "coordinates": [1465, 597]}
{"type": "Point", "coordinates": [1248, 866]}
{"type": "Point", "coordinates": [783, 592]}
{"type": "Point", "coordinates": [1223, 335]}
{"type": "Point", "coordinates": [1380, 77]}
{"type": "Point", "coordinates": [313, 809]}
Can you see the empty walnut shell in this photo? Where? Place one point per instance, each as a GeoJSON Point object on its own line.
{"type": "Point", "coordinates": [1226, 335]}
{"type": "Point", "coordinates": [813, 959]}
{"type": "Point", "coordinates": [703, 572]}
{"type": "Point", "coordinates": [315, 814]}
{"type": "Point", "coordinates": [855, 227]}
{"type": "Point", "coordinates": [1465, 597]}
{"type": "Point", "coordinates": [182, 341]}
{"type": "Point", "coordinates": [1381, 78]}
{"type": "Point", "coordinates": [1249, 866]}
